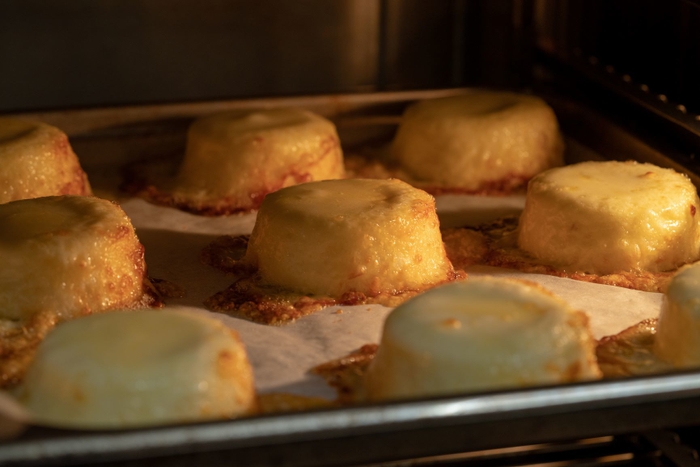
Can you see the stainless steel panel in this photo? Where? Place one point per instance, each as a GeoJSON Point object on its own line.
{"type": "Point", "coordinates": [102, 52]}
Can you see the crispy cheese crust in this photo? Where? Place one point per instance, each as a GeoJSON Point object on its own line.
{"type": "Point", "coordinates": [340, 236]}
{"type": "Point", "coordinates": [333, 242]}
{"type": "Point", "coordinates": [63, 257]}
{"type": "Point", "coordinates": [478, 141]}
{"type": "Point", "coordinates": [663, 344]}
{"type": "Point", "coordinates": [368, 166]}
{"type": "Point", "coordinates": [611, 217]}
{"type": "Point", "coordinates": [250, 298]}
{"type": "Point", "coordinates": [495, 244]}
{"type": "Point", "coordinates": [631, 352]}
{"type": "Point", "coordinates": [233, 160]}
{"type": "Point", "coordinates": [37, 160]}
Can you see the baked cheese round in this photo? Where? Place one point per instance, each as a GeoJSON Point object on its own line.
{"type": "Point", "coordinates": [478, 335]}
{"type": "Point", "coordinates": [36, 160]}
{"type": "Point", "coordinates": [607, 217]}
{"type": "Point", "coordinates": [478, 140]}
{"type": "Point", "coordinates": [70, 255]}
{"type": "Point", "coordinates": [678, 328]}
{"type": "Point", "coordinates": [137, 368]}
{"type": "Point", "coordinates": [235, 159]}
{"type": "Point", "coordinates": [337, 236]}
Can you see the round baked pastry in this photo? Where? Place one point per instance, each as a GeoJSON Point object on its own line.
{"type": "Point", "coordinates": [233, 160]}
{"type": "Point", "coordinates": [606, 217]}
{"type": "Point", "coordinates": [678, 328]}
{"type": "Point", "coordinates": [70, 255]}
{"type": "Point", "coordinates": [477, 141]}
{"type": "Point", "coordinates": [136, 368]}
{"type": "Point", "coordinates": [338, 236]}
{"type": "Point", "coordinates": [478, 335]}
{"type": "Point", "coordinates": [36, 160]}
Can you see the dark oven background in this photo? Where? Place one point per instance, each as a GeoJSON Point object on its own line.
{"type": "Point", "coordinates": [77, 53]}
{"type": "Point", "coordinates": [86, 53]}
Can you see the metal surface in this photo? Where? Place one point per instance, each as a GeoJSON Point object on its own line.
{"type": "Point", "coordinates": [79, 53]}
{"type": "Point", "coordinates": [645, 51]}
{"type": "Point", "coordinates": [638, 93]}
{"type": "Point", "coordinates": [670, 444]}
{"type": "Point", "coordinates": [104, 52]}
{"type": "Point", "coordinates": [366, 433]}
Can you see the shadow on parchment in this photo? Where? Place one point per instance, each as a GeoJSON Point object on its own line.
{"type": "Point", "coordinates": [175, 257]}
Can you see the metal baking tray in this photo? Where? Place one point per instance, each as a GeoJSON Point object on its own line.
{"type": "Point", "coordinates": [371, 432]}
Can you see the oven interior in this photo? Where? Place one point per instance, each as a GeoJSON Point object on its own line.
{"type": "Point", "coordinates": [621, 76]}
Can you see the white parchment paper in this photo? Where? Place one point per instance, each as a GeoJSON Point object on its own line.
{"type": "Point", "coordinates": [282, 356]}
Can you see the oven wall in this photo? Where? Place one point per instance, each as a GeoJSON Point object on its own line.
{"type": "Point", "coordinates": [653, 42]}
{"type": "Point", "coordinates": [76, 53]}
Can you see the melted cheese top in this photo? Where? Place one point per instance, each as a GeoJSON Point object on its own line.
{"type": "Point", "coordinates": [345, 200]}
{"type": "Point", "coordinates": [607, 217]}
{"type": "Point", "coordinates": [337, 236]}
{"type": "Point", "coordinates": [43, 218]}
{"type": "Point", "coordinates": [477, 335]}
{"type": "Point", "coordinates": [133, 368]}
{"type": "Point", "coordinates": [238, 155]}
{"type": "Point", "coordinates": [480, 138]}
{"type": "Point", "coordinates": [231, 125]}
{"type": "Point", "coordinates": [68, 254]}
{"type": "Point", "coordinates": [604, 185]}
{"type": "Point", "coordinates": [492, 316]}
{"type": "Point", "coordinates": [472, 105]}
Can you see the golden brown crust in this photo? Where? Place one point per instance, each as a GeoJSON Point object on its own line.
{"type": "Point", "coordinates": [222, 207]}
{"type": "Point", "coordinates": [266, 305]}
{"type": "Point", "coordinates": [18, 344]}
{"type": "Point", "coordinates": [357, 166]}
{"type": "Point", "coordinates": [249, 298]}
{"type": "Point", "coordinates": [495, 245]}
{"type": "Point", "coordinates": [19, 340]}
{"type": "Point", "coordinates": [78, 183]}
{"type": "Point", "coordinates": [345, 374]}
{"type": "Point", "coordinates": [465, 247]}
{"type": "Point", "coordinates": [631, 352]}
{"type": "Point", "coordinates": [165, 289]}
{"type": "Point", "coordinates": [58, 171]}
{"type": "Point", "coordinates": [224, 253]}
{"type": "Point", "coordinates": [139, 180]}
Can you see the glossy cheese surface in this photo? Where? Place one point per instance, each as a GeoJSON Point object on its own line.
{"type": "Point", "coordinates": [242, 157]}
{"type": "Point", "coordinates": [478, 138]}
{"type": "Point", "coordinates": [478, 335]}
{"type": "Point", "coordinates": [606, 217]}
{"type": "Point", "coordinates": [138, 368]}
{"type": "Point", "coordinates": [37, 160]}
{"type": "Point", "coordinates": [338, 236]}
{"type": "Point", "coordinates": [71, 255]}
{"type": "Point", "coordinates": [678, 329]}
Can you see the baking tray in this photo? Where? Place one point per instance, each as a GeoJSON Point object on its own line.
{"type": "Point", "coordinates": [364, 433]}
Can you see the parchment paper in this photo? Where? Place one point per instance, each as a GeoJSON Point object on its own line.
{"type": "Point", "coordinates": [282, 356]}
